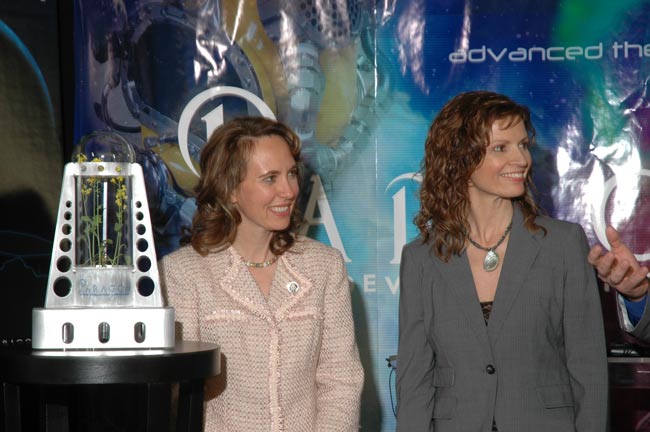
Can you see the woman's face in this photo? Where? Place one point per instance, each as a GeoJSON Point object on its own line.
{"type": "Point", "coordinates": [267, 194]}
{"type": "Point", "coordinates": [503, 171]}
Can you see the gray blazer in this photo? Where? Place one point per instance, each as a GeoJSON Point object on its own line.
{"type": "Point", "coordinates": [539, 366]}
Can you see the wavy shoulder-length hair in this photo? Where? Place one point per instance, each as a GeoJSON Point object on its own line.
{"type": "Point", "coordinates": [455, 146]}
{"type": "Point", "coordinates": [223, 167]}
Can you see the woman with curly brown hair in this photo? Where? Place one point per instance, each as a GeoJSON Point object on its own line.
{"type": "Point", "coordinates": [500, 320]}
{"type": "Point", "coordinates": [276, 303]}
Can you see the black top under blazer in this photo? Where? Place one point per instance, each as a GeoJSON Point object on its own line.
{"type": "Point", "coordinates": [540, 364]}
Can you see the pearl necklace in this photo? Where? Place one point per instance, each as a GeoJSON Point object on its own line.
{"type": "Point", "coordinates": [263, 264]}
{"type": "Point", "coordinates": [491, 260]}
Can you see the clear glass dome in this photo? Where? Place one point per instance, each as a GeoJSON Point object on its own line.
{"type": "Point", "coordinates": [103, 146]}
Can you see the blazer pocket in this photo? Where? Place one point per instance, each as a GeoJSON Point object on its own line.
{"type": "Point", "coordinates": [443, 377]}
{"type": "Point", "coordinates": [444, 408]}
{"type": "Point", "coordinates": [556, 396]}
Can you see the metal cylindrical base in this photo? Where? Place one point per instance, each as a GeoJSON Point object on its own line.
{"type": "Point", "coordinates": [102, 328]}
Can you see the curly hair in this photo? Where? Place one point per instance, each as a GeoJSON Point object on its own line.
{"type": "Point", "coordinates": [223, 167]}
{"type": "Point", "coordinates": [455, 146]}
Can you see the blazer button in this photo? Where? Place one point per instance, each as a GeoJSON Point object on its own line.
{"type": "Point", "coordinates": [490, 369]}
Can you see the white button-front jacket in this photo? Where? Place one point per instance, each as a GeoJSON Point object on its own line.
{"type": "Point", "coordinates": [290, 362]}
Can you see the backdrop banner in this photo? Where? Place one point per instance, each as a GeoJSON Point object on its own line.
{"type": "Point", "coordinates": [360, 81]}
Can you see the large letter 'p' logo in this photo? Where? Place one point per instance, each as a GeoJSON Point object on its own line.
{"type": "Point", "coordinates": [214, 118]}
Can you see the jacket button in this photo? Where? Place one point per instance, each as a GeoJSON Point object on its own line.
{"type": "Point", "coordinates": [490, 369]}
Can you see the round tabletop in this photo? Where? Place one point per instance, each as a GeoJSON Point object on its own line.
{"type": "Point", "coordinates": [188, 360]}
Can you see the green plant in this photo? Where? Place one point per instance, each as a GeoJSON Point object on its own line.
{"type": "Point", "coordinates": [102, 219]}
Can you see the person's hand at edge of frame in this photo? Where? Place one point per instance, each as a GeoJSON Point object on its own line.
{"type": "Point", "coordinates": [619, 267]}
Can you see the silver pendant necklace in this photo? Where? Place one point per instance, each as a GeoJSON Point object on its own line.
{"type": "Point", "coordinates": [491, 260]}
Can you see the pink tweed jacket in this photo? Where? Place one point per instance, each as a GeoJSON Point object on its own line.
{"type": "Point", "coordinates": [290, 362]}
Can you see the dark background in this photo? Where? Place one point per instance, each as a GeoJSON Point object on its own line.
{"type": "Point", "coordinates": [40, 31]}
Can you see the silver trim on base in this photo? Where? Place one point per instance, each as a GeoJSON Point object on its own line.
{"type": "Point", "coordinates": [102, 328]}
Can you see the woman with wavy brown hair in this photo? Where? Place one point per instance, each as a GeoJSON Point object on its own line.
{"type": "Point", "coordinates": [277, 304]}
{"type": "Point", "coordinates": [500, 319]}
{"type": "Point", "coordinates": [223, 163]}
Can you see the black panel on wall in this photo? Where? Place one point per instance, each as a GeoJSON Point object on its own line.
{"type": "Point", "coordinates": [31, 158]}
{"type": "Point", "coordinates": [66, 61]}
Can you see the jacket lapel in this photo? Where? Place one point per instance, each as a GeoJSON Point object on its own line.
{"type": "Point", "coordinates": [520, 255]}
{"type": "Point", "coordinates": [458, 278]}
{"type": "Point", "coordinates": [289, 288]}
{"type": "Point", "coordinates": [239, 284]}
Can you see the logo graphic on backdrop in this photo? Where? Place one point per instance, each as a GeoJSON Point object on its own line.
{"type": "Point", "coordinates": [399, 214]}
{"type": "Point", "coordinates": [214, 118]}
{"type": "Point", "coordinates": [361, 95]}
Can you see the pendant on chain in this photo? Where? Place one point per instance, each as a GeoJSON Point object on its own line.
{"type": "Point", "coordinates": [491, 261]}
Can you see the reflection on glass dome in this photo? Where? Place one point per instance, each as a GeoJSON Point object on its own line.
{"type": "Point", "coordinates": [104, 146]}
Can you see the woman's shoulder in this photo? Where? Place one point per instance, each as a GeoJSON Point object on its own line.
{"type": "Point", "coordinates": [308, 249]}
{"type": "Point", "coordinates": [418, 243]}
{"type": "Point", "coordinates": [187, 258]}
{"type": "Point", "coordinates": [418, 247]}
{"type": "Point", "coordinates": [557, 226]}
{"type": "Point", "coordinates": [182, 254]}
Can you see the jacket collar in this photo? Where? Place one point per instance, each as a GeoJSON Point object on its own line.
{"type": "Point", "coordinates": [519, 257]}
{"type": "Point", "coordinates": [240, 285]}
{"type": "Point", "coordinates": [522, 250]}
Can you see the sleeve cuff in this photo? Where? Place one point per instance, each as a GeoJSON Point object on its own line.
{"type": "Point", "coordinates": [635, 309]}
